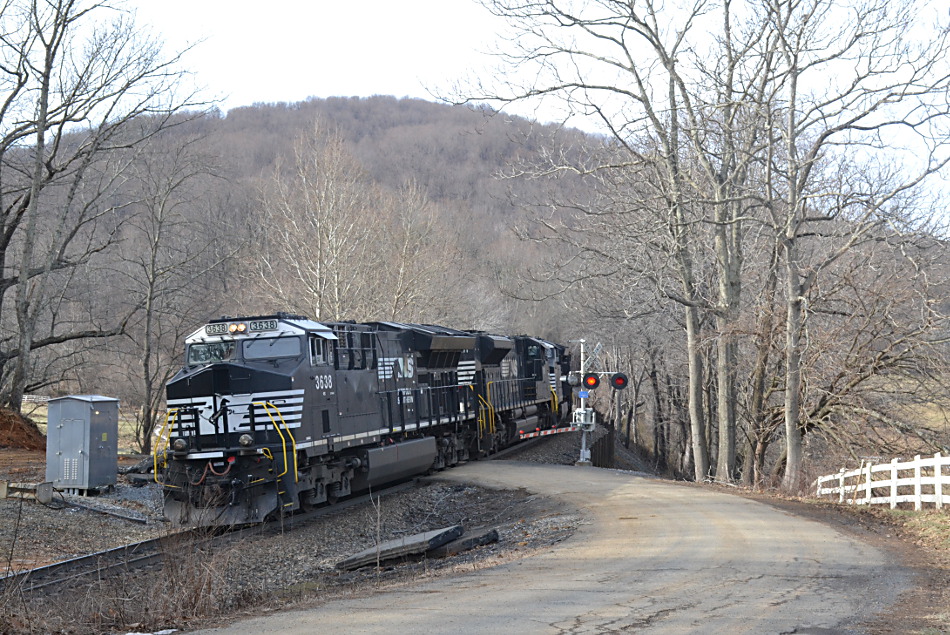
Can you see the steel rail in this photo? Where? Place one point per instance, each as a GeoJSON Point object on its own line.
{"type": "Point", "coordinates": [138, 555]}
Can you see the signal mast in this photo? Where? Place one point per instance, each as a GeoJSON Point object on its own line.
{"type": "Point", "coordinates": [585, 418]}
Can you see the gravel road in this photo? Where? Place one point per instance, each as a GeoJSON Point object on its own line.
{"type": "Point", "coordinates": [651, 557]}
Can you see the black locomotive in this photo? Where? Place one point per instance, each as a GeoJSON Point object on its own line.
{"type": "Point", "coordinates": [276, 413]}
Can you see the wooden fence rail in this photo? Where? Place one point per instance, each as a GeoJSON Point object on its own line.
{"type": "Point", "coordinates": [923, 480]}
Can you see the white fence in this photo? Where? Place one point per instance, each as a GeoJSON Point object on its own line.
{"type": "Point", "coordinates": [919, 481]}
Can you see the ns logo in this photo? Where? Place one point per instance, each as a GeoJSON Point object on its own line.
{"type": "Point", "coordinates": [397, 367]}
{"type": "Point", "coordinates": [406, 367]}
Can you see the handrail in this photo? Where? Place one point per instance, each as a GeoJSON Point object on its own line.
{"type": "Point", "coordinates": [491, 405]}
{"type": "Point", "coordinates": [554, 407]}
{"type": "Point", "coordinates": [266, 405]}
{"type": "Point", "coordinates": [491, 415]}
{"type": "Point", "coordinates": [167, 438]}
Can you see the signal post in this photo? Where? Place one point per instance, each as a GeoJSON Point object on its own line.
{"type": "Point", "coordinates": [585, 418]}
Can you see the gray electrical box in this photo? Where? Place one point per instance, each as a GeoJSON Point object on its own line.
{"type": "Point", "coordinates": [82, 445]}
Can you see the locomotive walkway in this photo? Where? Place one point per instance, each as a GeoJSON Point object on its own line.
{"type": "Point", "coordinates": [655, 557]}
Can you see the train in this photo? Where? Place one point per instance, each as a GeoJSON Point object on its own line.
{"type": "Point", "coordinates": [274, 414]}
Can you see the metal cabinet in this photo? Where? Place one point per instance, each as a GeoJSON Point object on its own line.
{"type": "Point", "coordinates": [82, 448]}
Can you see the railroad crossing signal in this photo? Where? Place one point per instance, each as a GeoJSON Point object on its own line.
{"type": "Point", "coordinates": [618, 381]}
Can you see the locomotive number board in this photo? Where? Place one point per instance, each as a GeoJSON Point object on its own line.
{"type": "Point", "coordinates": [253, 326]}
{"type": "Point", "coordinates": [217, 329]}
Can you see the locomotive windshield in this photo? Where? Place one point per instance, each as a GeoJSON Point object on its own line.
{"type": "Point", "coordinates": [209, 353]}
{"type": "Point", "coordinates": [271, 347]}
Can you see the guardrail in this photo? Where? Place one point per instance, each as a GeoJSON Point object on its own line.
{"type": "Point", "coordinates": [920, 481]}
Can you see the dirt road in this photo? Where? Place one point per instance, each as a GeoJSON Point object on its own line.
{"type": "Point", "coordinates": [655, 557]}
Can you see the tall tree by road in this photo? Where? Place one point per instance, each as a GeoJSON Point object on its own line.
{"type": "Point", "coordinates": [737, 114]}
{"type": "Point", "coordinates": [681, 121]}
{"type": "Point", "coordinates": [862, 111]}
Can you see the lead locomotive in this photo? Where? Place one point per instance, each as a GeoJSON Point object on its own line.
{"type": "Point", "coordinates": [275, 413]}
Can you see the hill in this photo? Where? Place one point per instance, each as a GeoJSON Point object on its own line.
{"type": "Point", "coordinates": [454, 153]}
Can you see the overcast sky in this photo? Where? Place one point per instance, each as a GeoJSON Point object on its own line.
{"type": "Point", "coordinates": [288, 50]}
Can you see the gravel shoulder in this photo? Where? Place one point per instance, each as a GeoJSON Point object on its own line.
{"type": "Point", "coordinates": [33, 535]}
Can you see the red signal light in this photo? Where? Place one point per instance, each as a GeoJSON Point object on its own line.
{"type": "Point", "coordinates": [619, 381]}
{"type": "Point", "coordinates": [591, 381]}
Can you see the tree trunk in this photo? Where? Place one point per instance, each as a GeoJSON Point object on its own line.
{"type": "Point", "coordinates": [793, 373]}
{"type": "Point", "coordinates": [695, 400]}
{"type": "Point", "coordinates": [29, 292]}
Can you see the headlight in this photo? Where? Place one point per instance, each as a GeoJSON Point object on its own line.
{"type": "Point", "coordinates": [246, 440]}
{"type": "Point", "coordinates": [179, 445]}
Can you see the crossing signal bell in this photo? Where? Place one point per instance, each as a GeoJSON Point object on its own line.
{"type": "Point", "coordinates": [591, 381]}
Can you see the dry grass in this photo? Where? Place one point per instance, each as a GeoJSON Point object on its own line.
{"type": "Point", "coordinates": [929, 529]}
{"type": "Point", "coordinates": [189, 585]}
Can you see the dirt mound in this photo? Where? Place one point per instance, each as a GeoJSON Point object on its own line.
{"type": "Point", "coordinates": [16, 431]}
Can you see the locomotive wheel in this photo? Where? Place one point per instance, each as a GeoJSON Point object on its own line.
{"type": "Point", "coordinates": [306, 501]}
{"type": "Point", "coordinates": [333, 493]}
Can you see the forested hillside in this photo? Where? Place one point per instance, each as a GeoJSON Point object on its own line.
{"type": "Point", "coordinates": [448, 169]}
{"type": "Point", "coordinates": [769, 266]}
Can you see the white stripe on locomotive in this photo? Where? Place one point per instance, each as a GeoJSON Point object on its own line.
{"type": "Point", "coordinates": [289, 405]}
{"type": "Point", "coordinates": [466, 373]}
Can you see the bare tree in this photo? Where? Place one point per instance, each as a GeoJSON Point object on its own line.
{"type": "Point", "coordinates": [335, 245]}
{"type": "Point", "coordinates": [418, 256]}
{"type": "Point", "coordinates": [851, 99]}
{"type": "Point", "coordinates": [318, 228]}
{"type": "Point", "coordinates": [72, 110]}
{"type": "Point", "coordinates": [683, 122]}
{"type": "Point", "coordinates": [167, 251]}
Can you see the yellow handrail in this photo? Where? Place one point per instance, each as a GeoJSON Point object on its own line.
{"type": "Point", "coordinates": [491, 416]}
{"type": "Point", "coordinates": [266, 405]}
{"type": "Point", "coordinates": [491, 405]}
{"type": "Point", "coordinates": [557, 415]}
{"type": "Point", "coordinates": [486, 405]}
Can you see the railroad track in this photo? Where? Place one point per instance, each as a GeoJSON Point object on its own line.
{"type": "Point", "coordinates": [137, 556]}
{"type": "Point", "coordinates": [75, 572]}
